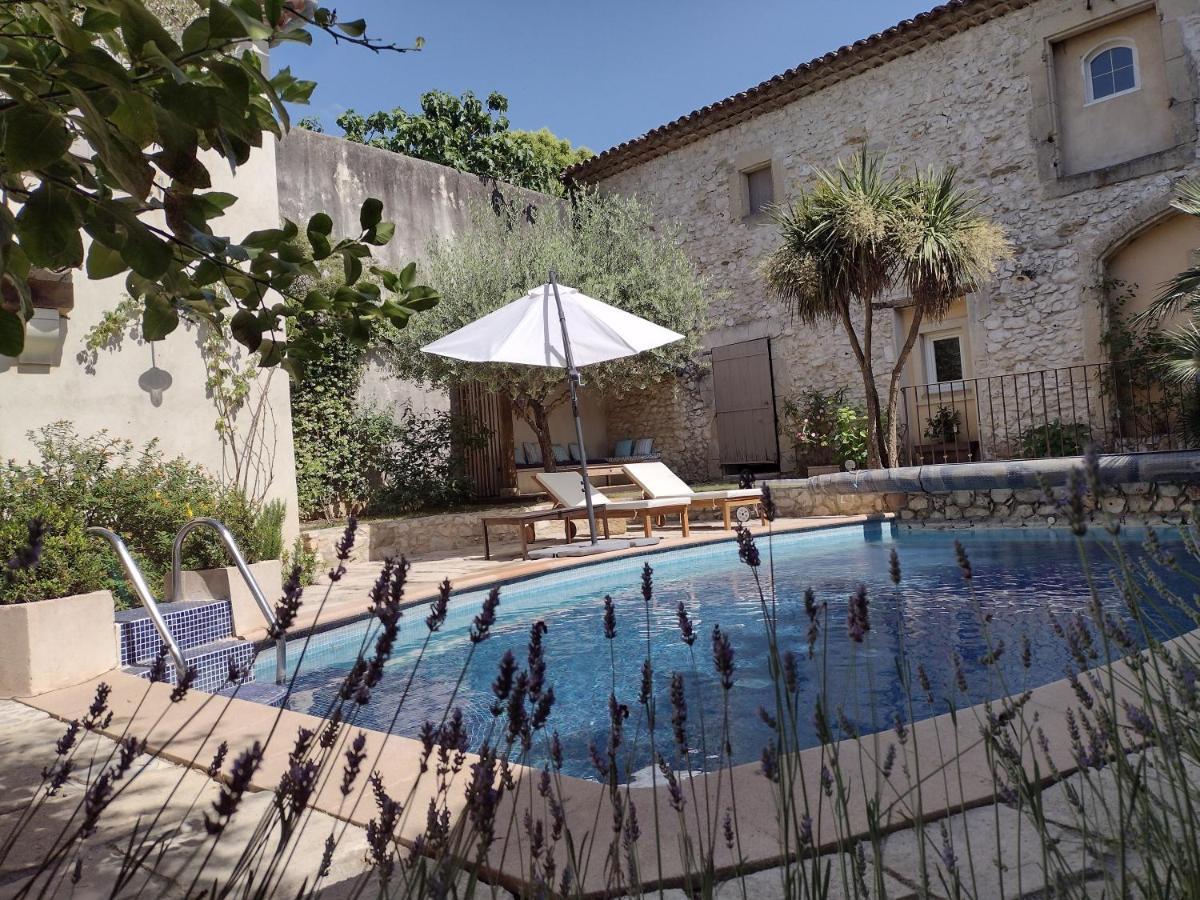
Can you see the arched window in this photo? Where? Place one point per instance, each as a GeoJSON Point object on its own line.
{"type": "Point", "coordinates": [1111, 70]}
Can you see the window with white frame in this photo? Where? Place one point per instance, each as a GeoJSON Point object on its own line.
{"type": "Point", "coordinates": [944, 357]}
{"type": "Point", "coordinates": [1110, 71]}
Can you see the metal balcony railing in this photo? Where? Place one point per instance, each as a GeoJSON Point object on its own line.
{"type": "Point", "coordinates": [1119, 406]}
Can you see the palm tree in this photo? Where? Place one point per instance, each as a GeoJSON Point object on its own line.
{"type": "Point", "coordinates": [837, 252]}
{"type": "Point", "coordinates": [945, 251]}
{"type": "Point", "coordinates": [858, 235]}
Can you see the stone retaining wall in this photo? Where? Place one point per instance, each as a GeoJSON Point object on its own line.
{"type": "Point", "coordinates": [380, 539]}
{"type": "Point", "coordinates": [1139, 501]}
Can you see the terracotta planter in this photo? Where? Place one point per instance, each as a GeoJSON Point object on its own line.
{"type": "Point", "coordinates": [52, 644]}
{"type": "Point", "coordinates": [227, 583]}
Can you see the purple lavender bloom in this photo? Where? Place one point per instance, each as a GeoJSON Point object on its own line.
{"type": "Point", "coordinates": [556, 752]}
{"type": "Point", "coordinates": [806, 830]}
{"type": "Point", "coordinates": [355, 754]}
{"type": "Point", "coordinates": [536, 659]}
{"type": "Point", "coordinates": [949, 860]}
{"type": "Point", "coordinates": [791, 672]}
{"type": "Point", "coordinates": [679, 713]}
{"type": "Point", "coordinates": [503, 683]}
{"type": "Point", "coordinates": [964, 562]}
{"type": "Point", "coordinates": [183, 684]}
{"type": "Point", "coordinates": [647, 583]}
{"type": "Point", "coordinates": [1137, 717]}
{"type": "Point", "coordinates": [687, 633]}
{"type": "Point", "coordinates": [439, 607]}
{"type": "Point", "coordinates": [647, 687]}
{"type": "Point", "coordinates": [858, 621]}
{"type": "Point", "coordinates": [747, 550]}
{"type": "Point", "coordinates": [99, 715]}
{"type": "Point", "coordinates": [288, 606]}
{"type": "Point", "coordinates": [722, 656]}
{"type": "Point", "coordinates": [343, 548]}
{"type": "Point", "coordinates": [769, 507]}
{"type": "Point", "coordinates": [727, 828]}
{"type": "Point", "coordinates": [610, 618]}
{"type": "Point", "coordinates": [894, 566]}
{"type": "Point", "coordinates": [770, 762]}
{"type": "Point", "coordinates": [158, 667]}
{"type": "Point", "coordinates": [486, 618]}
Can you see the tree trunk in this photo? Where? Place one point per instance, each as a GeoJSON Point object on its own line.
{"type": "Point", "coordinates": [541, 425]}
{"type": "Point", "coordinates": [869, 390]}
{"type": "Point", "coordinates": [894, 382]}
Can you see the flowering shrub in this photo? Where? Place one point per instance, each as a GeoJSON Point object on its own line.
{"type": "Point", "coordinates": [826, 429]}
{"type": "Point", "coordinates": [138, 493]}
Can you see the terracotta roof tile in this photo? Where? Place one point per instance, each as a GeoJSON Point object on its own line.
{"type": "Point", "coordinates": [779, 90]}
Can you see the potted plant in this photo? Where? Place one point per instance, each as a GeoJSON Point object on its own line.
{"type": "Point", "coordinates": [943, 426]}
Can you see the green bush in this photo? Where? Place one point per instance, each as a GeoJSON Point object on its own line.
{"type": "Point", "coordinates": [352, 458]}
{"type": "Point", "coordinates": [423, 465]}
{"type": "Point", "coordinates": [300, 555]}
{"type": "Point", "coordinates": [826, 429]}
{"type": "Point", "coordinates": [1055, 439]}
{"type": "Point", "coordinates": [142, 496]}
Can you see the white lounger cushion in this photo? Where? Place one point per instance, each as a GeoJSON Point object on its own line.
{"type": "Point", "coordinates": [655, 479]}
{"type": "Point", "coordinates": [736, 494]}
{"type": "Point", "coordinates": [567, 490]}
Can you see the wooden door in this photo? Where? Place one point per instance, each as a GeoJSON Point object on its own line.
{"type": "Point", "coordinates": [490, 465]}
{"type": "Point", "coordinates": [745, 400]}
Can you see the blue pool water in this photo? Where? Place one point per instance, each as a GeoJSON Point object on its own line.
{"type": "Point", "coordinates": [1021, 577]}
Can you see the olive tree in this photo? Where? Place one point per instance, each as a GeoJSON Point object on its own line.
{"type": "Point", "coordinates": [610, 248]}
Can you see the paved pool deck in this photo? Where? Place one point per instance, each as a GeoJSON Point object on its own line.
{"type": "Point", "coordinates": [185, 735]}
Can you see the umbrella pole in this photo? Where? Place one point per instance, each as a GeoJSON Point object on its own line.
{"type": "Point", "coordinates": [572, 384]}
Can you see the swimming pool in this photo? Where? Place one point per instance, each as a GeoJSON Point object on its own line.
{"type": "Point", "coordinates": [1022, 577]}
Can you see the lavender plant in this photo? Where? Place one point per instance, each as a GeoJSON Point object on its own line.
{"type": "Point", "coordinates": [1102, 787]}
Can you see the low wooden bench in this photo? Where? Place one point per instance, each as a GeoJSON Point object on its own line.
{"type": "Point", "coordinates": [526, 520]}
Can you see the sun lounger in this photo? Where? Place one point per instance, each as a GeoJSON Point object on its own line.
{"type": "Point", "coordinates": [566, 489]}
{"type": "Point", "coordinates": [658, 483]}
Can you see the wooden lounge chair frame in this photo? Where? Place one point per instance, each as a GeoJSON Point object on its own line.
{"type": "Point", "coordinates": [525, 520]}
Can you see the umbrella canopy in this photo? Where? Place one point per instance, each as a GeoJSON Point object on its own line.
{"type": "Point", "coordinates": [527, 332]}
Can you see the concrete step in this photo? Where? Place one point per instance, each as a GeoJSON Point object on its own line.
{"type": "Point", "coordinates": [212, 662]}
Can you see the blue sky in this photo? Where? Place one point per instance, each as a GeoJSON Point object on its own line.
{"type": "Point", "coordinates": [595, 73]}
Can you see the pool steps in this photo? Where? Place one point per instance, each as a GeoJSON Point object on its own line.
{"type": "Point", "coordinates": [203, 630]}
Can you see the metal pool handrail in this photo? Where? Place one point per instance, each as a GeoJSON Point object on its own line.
{"type": "Point", "coordinates": [143, 591]}
{"type": "Point", "coordinates": [240, 561]}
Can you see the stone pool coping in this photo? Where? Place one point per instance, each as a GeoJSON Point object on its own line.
{"type": "Point", "coordinates": [1114, 468]}
{"type": "Point", "coordinates": [963, 784]}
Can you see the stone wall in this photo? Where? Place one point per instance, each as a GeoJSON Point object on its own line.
{"type": "Point", "coordinates": [320, 172]}
{"type": "Point", "coordinates": [678, 415]}
{"type": "Point", "coordinates": [971, 101]}
{"type": "Point", "coordinates": [382, 538]}
{"type": "Point", "coordinates": [1137, 502]}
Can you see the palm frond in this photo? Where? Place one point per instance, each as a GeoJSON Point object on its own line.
{"type": "Point", "coordinates": [1179, 359]}
{"type": "Point", "coordinates": [945, 248]}
{"type": "Point", "coordinates": [836, 240]}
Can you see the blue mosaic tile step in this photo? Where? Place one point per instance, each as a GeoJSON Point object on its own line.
{"type": "Point", "coordinates": [258, 692]}
{"type": "Point", "coordinates": [212, 663]}
{"type": "Point", "coordinates": [192, 623]}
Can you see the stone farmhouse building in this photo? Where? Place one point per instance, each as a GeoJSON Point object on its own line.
{"type": "Point", "coordinates": [1071, 120]}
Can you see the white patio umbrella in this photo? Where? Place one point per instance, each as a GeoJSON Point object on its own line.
{"type": "Point", "coordinates": [526, 332]}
